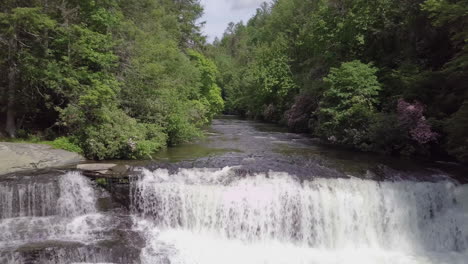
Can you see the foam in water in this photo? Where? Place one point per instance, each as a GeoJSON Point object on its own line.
{"type": "Point", "coordinates": [84, 229]}
{"type": "Point", "coordinates": [199, 215]}
{"type": "Point", "coordinates": [77, 196]}
{"type": "Point", "coordinates": [70, 195]}
{"type": "Point", "coordinates": [28, 199]}
{"type": "Point", "coordinates": [49, 211]}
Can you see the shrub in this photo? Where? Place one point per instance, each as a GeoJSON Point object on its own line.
{"type": "Point", "coordinates": [299, 115]}
{"type": "Point", "coordinates": [347, 106]}
{"type": "Point", "coordinates": [65, 143]}
{"type": "Point", "coordinates": [411, 117]}
{"type": "Point", "coordinates": [457, 130]}
{"type": "Point", "coordinates": [386, 135]}
{"type": "Point", "coordinates": [119, 136]}
{"type": "Point", "coordinates": [184, 121]}
{"type": "Point", "coordinates": [270, 113]}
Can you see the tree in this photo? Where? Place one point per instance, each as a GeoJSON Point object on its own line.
{"type": "Point", "coordinates": [116, 78]}
{"type": "Point", "coordinates": [210, 93]}
{"type": "Point", "coordinates": [348, 103]}
{"type": "Point", "coordinates": [21, 35]}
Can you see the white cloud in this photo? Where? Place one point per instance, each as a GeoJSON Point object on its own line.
{"type": "Point", "coordinates": [218, 14]}
{"type": "Point", "coordinates": [243, 4]}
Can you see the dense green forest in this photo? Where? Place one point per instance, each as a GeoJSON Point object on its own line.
{"type": "Point", "coordinates": [386, 76]}
{"type": "Point", "coordinates": [123, 79]}
{"type": "Point", "coordinates": [111, 78]}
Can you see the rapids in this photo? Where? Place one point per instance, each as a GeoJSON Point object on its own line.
{"type": "Point", "coordinates": [213, 216]}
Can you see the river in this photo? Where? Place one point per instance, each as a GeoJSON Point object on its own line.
{"type": "Point", "coordinates": [248, 193]}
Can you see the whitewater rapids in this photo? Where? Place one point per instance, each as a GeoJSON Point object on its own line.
{"type": "Point", "coordinates": [208, 216]}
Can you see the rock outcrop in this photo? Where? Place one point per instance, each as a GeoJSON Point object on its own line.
{"type": "Point", "coordinates": [104, 170]}
{"type": "Point", "coordinates": [15, 157]}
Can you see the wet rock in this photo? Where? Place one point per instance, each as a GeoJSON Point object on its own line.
{"type": "Point", "coordinates": [112, 177]}
{"type": "Point", "coordinates": [15, 157]}
{"type": "Point", "coordinates": [120, 169]}
{"type": "Point", "coordinates": [95, 166]}
{"type": "Point", "coordinates": [104, 170]}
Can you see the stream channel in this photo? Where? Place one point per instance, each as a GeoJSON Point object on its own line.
{"type": "Point", "coordinates": [247, 193]}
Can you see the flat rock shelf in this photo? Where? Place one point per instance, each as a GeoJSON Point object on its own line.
{"type": "Point", "coordinates": [15, 157]}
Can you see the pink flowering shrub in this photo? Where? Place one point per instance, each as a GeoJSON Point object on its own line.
{"type": "Point", "coordinates": [411, 117]}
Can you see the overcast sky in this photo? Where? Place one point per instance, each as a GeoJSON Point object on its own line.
{"type": "Point", "coordinates": [218, 14]}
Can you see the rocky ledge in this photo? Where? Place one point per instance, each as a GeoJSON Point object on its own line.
{"type": "Point", "coordinates": [15, 157]}
{"type": "Point", "coordinates": [104, 170]}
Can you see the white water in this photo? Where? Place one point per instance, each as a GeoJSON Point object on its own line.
{"type": "Point", "coordinates": [30, 199]}
{"type": "Point", "coordinates": [212, 216]}
{"type": "Point", "coordinates": [84, 229]}
{"type": "Point", "coordinates": [50, 212]}
{"type": "Point", "coordinates": [71, 195]}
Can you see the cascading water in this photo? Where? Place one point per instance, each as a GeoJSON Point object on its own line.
{"type": "Point", "coordinates": [213, 216]}
{"type": "Point", "coordinates": [49, 219]}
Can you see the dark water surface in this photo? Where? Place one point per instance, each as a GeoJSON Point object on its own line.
{"type": "Point", "coordinates": [261, 147]}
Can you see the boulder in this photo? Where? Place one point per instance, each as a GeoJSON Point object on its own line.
{"type": "Point", "coordinates": [15, 157]}
{"type": "Point", "coordinates": [95, 166]}
{"type": "Point", "coordinates": [98, 170]}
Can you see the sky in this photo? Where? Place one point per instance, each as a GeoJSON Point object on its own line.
{"type": "Point", "coordinates": [218, 14]}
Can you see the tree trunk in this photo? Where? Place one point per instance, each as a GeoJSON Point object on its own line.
{"type": "Point", "coordinates": [11, 96]}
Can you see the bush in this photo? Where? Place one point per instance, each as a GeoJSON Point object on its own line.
{"type": "Point", "coordinates": [299, 115]}
{"type": "Point", "coordinates": [405, 132]}
{"type": "Point", "coordinates": [121, 137]}
{"type": "Point", "coordinates": [410, 116]}
{"type": "Point", "coordinates": [386, 135]}
{"type": "Point", "coordinates": [184, 121]}
{"type": "Point", "coordinates": [457, 130]}
{"type": "Point", "coordinates": [65, 143]}
{"type": "Point", "coordinates": [347, 106]}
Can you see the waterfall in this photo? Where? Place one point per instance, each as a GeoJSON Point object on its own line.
{"type": "Point", "coordinates": [77, 196]}
{"type": "Point", "coordinates": [51, 219]}
{"type": "Point", "coordinates": [208, 216]}
{"type": "Point", "coordinates": [310, 220]}
{"type": "Point", "coordinates": [28, 199]}
{"type": "Point", "coordinates": [70, 195]}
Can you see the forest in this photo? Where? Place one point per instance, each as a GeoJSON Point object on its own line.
{"type": "Point", "coordinates": [108, 78]}
{"type": "Point", "coordinates": [386, 76]}
{"type": "Point", "coordinates": [118, 79]}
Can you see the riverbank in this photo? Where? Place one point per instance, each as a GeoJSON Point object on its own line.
{"type": "Point", "coordinates": [15, 157]}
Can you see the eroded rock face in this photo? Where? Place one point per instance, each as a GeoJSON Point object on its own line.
{"type": "Point", "coordinates": [16, 157]}
{"type": "Point", "coordinates": [95, 166]}
{"type": "Point", "coordinates": [103, 170]}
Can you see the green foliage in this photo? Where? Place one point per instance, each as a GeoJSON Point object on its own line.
{"type": "Point", "coordinates": [454, 16]}
{"type": "Point", "coordinates": [118, 77]}
{"type": "Point", "coordinates": [457, 129]}
{"type": "Point", "coordinates": [348, 104]}
{"type": "Point", "coordinates": [65, 143]}
{"type": "Point", "coordinates": [120, 136]}
{"type": "Point", "coordinates": [288, 47]}
{"type": "Point", "coordinates": [67, 63]}
{"type": "Point", "coordinates": [101, 181]}
{"type": "Point", "coordinates": [210, 93]}
{"type": "Point", "coordinates": [271, 70]}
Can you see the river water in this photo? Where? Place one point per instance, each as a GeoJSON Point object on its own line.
{"type": "Point", "coordinates": [247, 193]}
